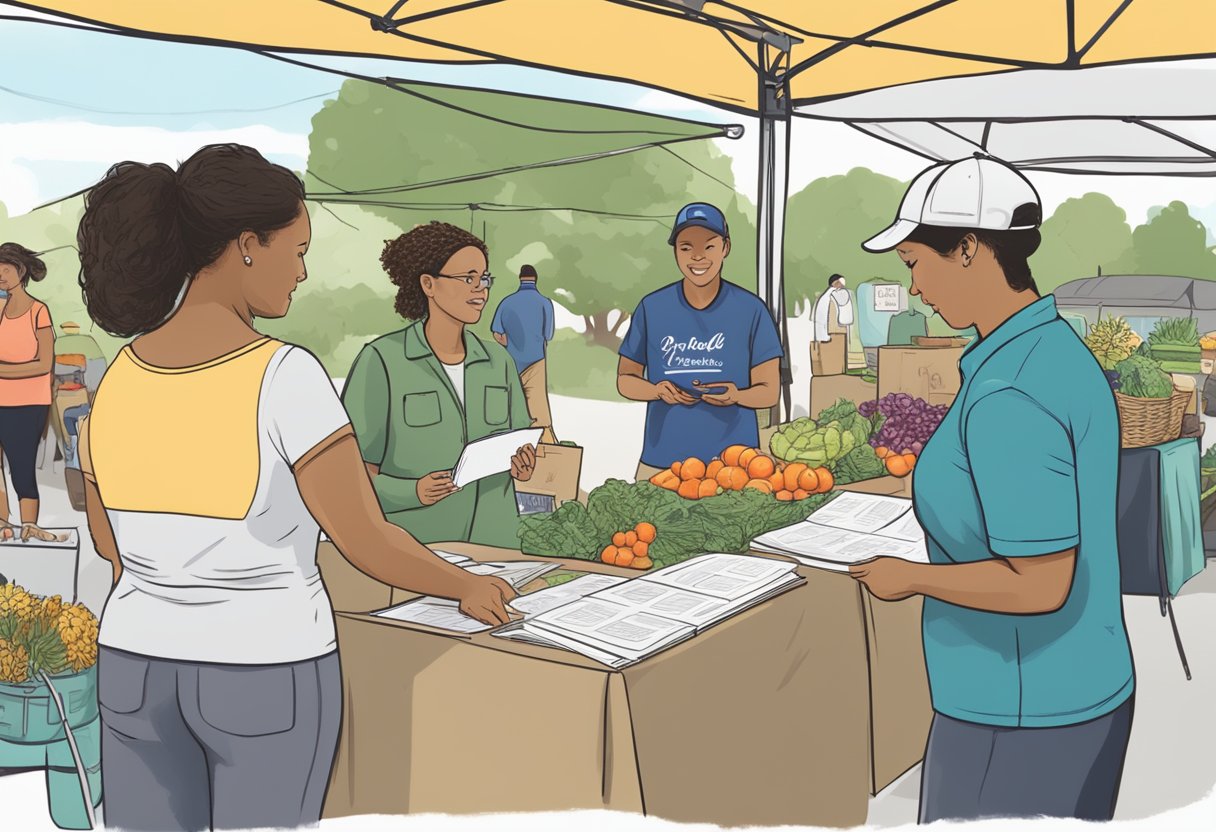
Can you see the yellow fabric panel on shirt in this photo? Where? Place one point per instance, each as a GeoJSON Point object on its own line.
{"type": "Point", "coordinates": [180, 441]}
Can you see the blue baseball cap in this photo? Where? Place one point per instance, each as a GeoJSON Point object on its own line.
{"type": "Point", "coordinates": [700, 214]}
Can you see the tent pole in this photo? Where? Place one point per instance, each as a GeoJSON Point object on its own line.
{"type": "Point", "coordinates": [772, 192]}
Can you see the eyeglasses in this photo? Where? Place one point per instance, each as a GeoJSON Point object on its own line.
{"type": "Point", "coordinates": [484, 281]}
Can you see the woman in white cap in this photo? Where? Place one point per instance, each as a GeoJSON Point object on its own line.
{"type": "Point", "coordinates": [1025, 644]}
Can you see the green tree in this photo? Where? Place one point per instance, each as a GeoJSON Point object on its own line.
{"type": "Point", "coordinates": [825, 225]}
{"type": "Point", "coordinates": [1083, 235]}
{"type": "Point", "coordinates": [597, 261]}
{"type": "Point", "coordinates": [1172, 243]}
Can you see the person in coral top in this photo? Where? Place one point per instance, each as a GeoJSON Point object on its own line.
{"type": "Point", "coordinates": [27, 357]}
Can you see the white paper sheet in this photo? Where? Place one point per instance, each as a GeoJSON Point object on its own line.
{"type": "Point", "coordinates": [491, 455]}
{"type": "Point", "coordinates": [458, 560]}
{"type": "Point", "coordinates": [905, 528]}
{"type": "Point", "coordinates": [516, 573]}
{"type": "Point", "coordinates": [71, 539]}
{"type": "Point", "coordinates": [725, 577]}
{"type": "Point", "coordinates": [543, 600]}
{"type": "Point", "coordinates": [666, 601]}
{"type": "Point", "coordinates": [820, 543]}
{"type": "Point", "coordinates": [434, 612]}
{"type": "Point", "coordinates": [861, 512]}
{"type": "Point", "coordinates": [620, 629]}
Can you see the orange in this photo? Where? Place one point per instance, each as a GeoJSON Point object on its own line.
{"type": "Point", "coordinates": [631, 538]}
{"type": "Point", "coordinates": [808, 481]}
{"type": "Point", "coordinates": [730, 457]}
{"type": "Point", "coordinates": [826, 481]}
{"type": "Point", "coordinates": [692, 469]}
{"type": "Point", "coordinates": [897, 466]}
{"type": "Point", "coordinates": [712, 470]}
{"type": "Point", "coordinates": [690, 489]}
{"type": "Point", "coordinates": [800, 494]}
{"type": "Point", "coordinates": [642, 563]}
{"type": "Point", "coordinates": [745, 458]}
{"type": "Point", "coordinates": [792, 476]}
{"type": "Point", "coordinates": [618, 539]}
{"type": "Point", "coordinates": [785, 496]}
{"type": "Point", "coordinates": [608, 556]}
{"type": "Point", "coordinates": [624, 557]}
{"type": "Point", "coordinates": [675, 467]}
{"type": "Point", "coordinates": [777, 481]}
{"type": "Point", "coordinates": [732, 478]}
{"type": "Point", "coordinates": [882, 452]}
{"type": "Point", "coordinates": [761, 468]}
{"type": "Point", "coordinates": [641, 549]}
{"type": "Point", "coordinates": [709, 488]}
{"type": "Point", "coordinates": [763, 486]}
{"type": "Point", "coordinates": [910, 458]}
{"type": "Point", "coordinates": [646, 532]}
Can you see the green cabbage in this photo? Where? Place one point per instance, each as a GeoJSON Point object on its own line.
{"type": "Point", "coordinates": [1143, 378]}
{"type": "Point", "coordinates": [861, 463]}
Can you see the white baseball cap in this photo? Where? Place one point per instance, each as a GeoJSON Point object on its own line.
{"type": "Point", "coordinates": [979, 192]}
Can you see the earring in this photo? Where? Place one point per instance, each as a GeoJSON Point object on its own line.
{"type": "Point", "coordinates": [248, 260]}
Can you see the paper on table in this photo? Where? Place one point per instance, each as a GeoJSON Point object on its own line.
{"type": "Point", "coordinates": [667, 601]}
{"type": "Point", "coordinates": [861, 512]}
{"type": "Point", "coordinates": [726, 577]}
{"type": "Point", "coordinates": [616, 627]}
{"type": "Point", "coordinates": [516, 573]}
{"type": "Point", "coordinates": [458, 560]}
{"type": "Point", "coordinates": [491, 455]}
{"type": "Point", "coordinates": [434, 612]}
{"type": "Point", "coordinates": [544, 600]}
{"type": "Point", "coordinates": [71, 539]}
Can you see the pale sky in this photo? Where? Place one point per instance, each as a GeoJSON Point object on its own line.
{"type": "Point", "coordinates": [72, 103]}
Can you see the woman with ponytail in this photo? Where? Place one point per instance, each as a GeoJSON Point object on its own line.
{"type": "Point", "coordinates": [27, 357]}
{"type": "Point", "coordinates": [213, 457]}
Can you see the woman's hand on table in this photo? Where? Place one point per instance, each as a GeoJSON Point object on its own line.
{"type": "Point", "coordinates": [888, 579]}
{"type": "Point", "coordinates": [523, 463]}
{"type": "Point", "coordinates": [435, 486]}
{"type": "Point", "coordinates": [486, 598]}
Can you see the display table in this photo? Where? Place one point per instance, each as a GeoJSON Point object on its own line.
{"type": "Point", "coordinates": [764, 719]}
{"type": "Point", "coordinates": [1159, 522]}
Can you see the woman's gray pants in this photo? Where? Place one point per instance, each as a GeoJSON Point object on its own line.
{"type": "Point", "coordinates": [980, 771]}
{"type": "Point", "coordinates": [191, 746]}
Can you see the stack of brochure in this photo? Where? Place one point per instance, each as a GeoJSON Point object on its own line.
{"type": "Point", "coordinates": [632, 620]}
{"type": "Point", "coordinates": [850, 529]}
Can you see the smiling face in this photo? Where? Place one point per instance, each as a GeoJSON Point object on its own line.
{"type": "Point", "coordinates": [700, 253]}
{"type": "Point", "coordinates": [942, 282]}
{"type": "Point", "coordinates": [452, 294]}
{"type": "Point", "coordinates": [278, 267]}
{"type": "Point", "coordinates": [10, 277]}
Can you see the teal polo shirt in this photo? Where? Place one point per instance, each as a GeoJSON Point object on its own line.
{"type": "Point", "coordinates": [1026, 463]}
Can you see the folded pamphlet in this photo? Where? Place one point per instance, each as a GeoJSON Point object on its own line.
{"type": "Point", "coordinates": [491, 455]}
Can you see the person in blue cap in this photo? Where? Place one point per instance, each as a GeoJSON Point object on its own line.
{"type": "Point", "coordinates": [703, 353]}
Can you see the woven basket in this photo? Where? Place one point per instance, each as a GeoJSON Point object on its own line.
{"type": "Point", "coordinates": [1145, 422]}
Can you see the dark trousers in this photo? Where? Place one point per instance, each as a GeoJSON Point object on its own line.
{"type": "Point", "coordinates": [21, 430]}
{"type": "Point", "coordinates": [975, 771]}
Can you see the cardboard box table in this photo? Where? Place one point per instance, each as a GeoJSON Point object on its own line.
{"type": "Point", "coordinates": [762, 720]}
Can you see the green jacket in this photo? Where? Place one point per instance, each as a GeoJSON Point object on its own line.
{"type": "Point", "coordinates": [409, 422]}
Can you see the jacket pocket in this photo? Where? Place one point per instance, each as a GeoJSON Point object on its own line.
{"type": "Point", "coordinates": [247, 701]}
{"type": "Point", "coordinates": [422, 409]}
{"type": "Point", "coordinates": [120, 682]}
{"type": "Point", "coordinates": [497, 400]}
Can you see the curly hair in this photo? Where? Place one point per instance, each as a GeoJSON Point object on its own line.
{"type": "Point", "coordinates": [26, 262]}
{"type": "Point", "coordinates": [422, 250]}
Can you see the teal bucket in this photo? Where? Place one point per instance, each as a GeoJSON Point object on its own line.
{"type": "Point", "coordinates": [28, 713]}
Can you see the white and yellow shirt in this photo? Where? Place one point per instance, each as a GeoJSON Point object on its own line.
{"type": "Point", "coordinates": [195, 469]}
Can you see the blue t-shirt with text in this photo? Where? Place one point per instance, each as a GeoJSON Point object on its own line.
{"type": "Point", "coordinates": [676, 342]}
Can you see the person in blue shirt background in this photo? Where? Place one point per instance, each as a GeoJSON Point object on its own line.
{"type": "Point", "coordinates": [523, 323]}
{"type": "Point", "coordinates": [1030, 669]}
{"type": "Point", "coordinates": [703, 353]}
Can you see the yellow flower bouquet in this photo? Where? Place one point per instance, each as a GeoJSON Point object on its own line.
{"type": "Point", "coordinates": [43, 635]}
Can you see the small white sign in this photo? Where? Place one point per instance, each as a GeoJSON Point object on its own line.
{"type": "Point", "coordinates": [888, 298]}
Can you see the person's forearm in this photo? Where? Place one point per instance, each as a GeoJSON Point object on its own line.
{"type": "Point", "coordinates": [26, 369]}
{"type": "Point", "coordinates": [636, 388]}
{"type": "Point", "coordinates": [393, 556]}
{"type": "Point", "coordinates": [758, 396]}
{"type": "Point", "coordinates": [988, 585]}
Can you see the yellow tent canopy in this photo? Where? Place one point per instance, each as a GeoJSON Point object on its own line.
{"type": "Point", "coordinates": [712, 51]}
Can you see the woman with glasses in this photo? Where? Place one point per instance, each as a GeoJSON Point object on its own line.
{"type": "Point", "coordinates": [417, 396]}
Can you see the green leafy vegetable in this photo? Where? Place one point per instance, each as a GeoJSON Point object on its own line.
{"type": "Point", "coordinates": [1111, 340]}
{"type": "Point", "coordinates": [861, 463]}
{"type": "Point", "coordinates": [1143, 378]}
{"type": "Point", "coordinates": [566, 533]}
{"type": "Point", "coordinates": [1174, 332]}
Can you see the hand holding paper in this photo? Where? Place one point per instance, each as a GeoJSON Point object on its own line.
{"type": "Point", "coordinates": [492, 455]}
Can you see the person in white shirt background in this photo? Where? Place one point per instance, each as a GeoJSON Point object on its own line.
{"type": "Point", "coordinates": [832, 319]}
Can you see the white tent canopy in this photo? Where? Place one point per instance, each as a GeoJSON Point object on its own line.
{"type": "Point", "coordinates": [1144, 119]}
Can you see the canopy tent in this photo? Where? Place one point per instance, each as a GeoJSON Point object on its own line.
{"type": "Point", "coordinates": [1148, 119]}
{"type": "Point", "coordinates": [1141, 299]}
{"type": "Point", "coordinates": [759, 57]}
